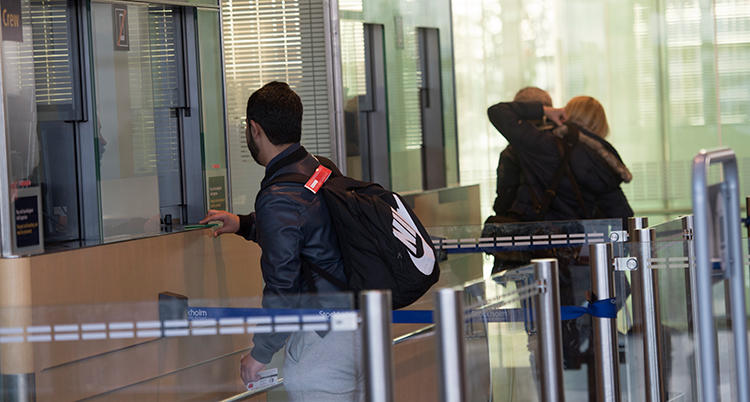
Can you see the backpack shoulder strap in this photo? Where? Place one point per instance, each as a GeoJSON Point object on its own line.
{"type": "Point", "coordinates": [286, 178]}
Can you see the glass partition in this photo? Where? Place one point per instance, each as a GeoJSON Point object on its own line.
{"type": "Point", "coordinates": [180, 349]}
{"type": "Point", "coordinates": [511, 245]}
{"type": "Point", "coordinates": [676, 338]}
{"type": "Point", "coordinates": [503, 251]}
{"type": "Point", "coordinates": [385, 79]}
{"type": "Point", "coordinates": [500, 337]}
{"type": "Point", "coordinates": [668, 73]}
{"type": "Point", "coordinates": [137, 83]}
{"type": "Point", "coordinates": [213, 113]}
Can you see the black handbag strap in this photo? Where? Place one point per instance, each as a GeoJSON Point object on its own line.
{"type": "Point", "coordinates": [568, 142]}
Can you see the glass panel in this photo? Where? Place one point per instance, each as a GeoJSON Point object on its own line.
{"type": "Point", "coordinates": [400, 21]}
{"type": "Point", "coordinates": [500, 340]}
{"type": "Point", "coordinates": [20, 99]}
{"type": "Point", "coordinates": [508, 246]}
{"type": "Point", "coordinates": [354, 77]}
{"type": "Point", "coordinates": [670, 267]}
{"type": "Point", "coordinates": [166, 67]}
{"type": "Point", "coordinates": [670, 75]}
{"type": "Point", "coordinates": [55, 37]}
{"type": "Point", "coordinates": [213, 116]}
{"type": "Point", "coordinates": [514, 244]}
{"type": "Point", "coordinates": [264, 41]}
{"type": "Point", "coordinates": [126, 112]}
{"type": "Point", "coordinates": [180, 349]}
{"type": "Point", "coordinates": [58, 104]}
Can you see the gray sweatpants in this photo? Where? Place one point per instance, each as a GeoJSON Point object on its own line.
{"type": "Point", "coordinates": [325, 369]}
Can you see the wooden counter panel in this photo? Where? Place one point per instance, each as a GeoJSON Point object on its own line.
{"type": "Point", "coordinates": [121, 282]}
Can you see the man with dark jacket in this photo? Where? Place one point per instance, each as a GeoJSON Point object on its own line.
{"type": "Point", "coordinates": [509, 167]}
{"type": "Point", "coordinates": [290, 223]}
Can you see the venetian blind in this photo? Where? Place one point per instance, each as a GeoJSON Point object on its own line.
{"type": "Point", "coordinates": [52, 71]}
{"type": "Point", "coordinates": [267, 40]}
{"type": "Point", "coordinates": [163, 61]}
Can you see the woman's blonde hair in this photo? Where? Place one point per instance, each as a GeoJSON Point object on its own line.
{"type": "Point", "coordinates": [588, 113]}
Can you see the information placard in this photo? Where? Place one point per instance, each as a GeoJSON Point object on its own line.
{"type": "Point", "coordinates": [11, 17]}
{"type": "Point", "coordinates": [27, 221]}
{"type": "Point", "coordinates": [217, 194]}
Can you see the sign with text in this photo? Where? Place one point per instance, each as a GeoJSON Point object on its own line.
{"type": "Point", "coordinates": [217, 195]}
{"type": "Point", "coordinates": [120, 22]}
{"type": "Point", "coordinates": [11, 16]}
{"type": "Point", "coordinates": [27, 221]}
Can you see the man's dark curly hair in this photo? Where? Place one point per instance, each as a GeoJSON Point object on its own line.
{"type": "Point", "coordinates": [278, 111]}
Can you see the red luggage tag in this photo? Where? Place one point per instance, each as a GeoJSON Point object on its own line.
{"type": "Point", "coordinates": [317, 179]}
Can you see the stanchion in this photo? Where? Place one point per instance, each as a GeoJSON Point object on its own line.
{"type": "Point", "coordinates": [449, 322]}
{"type": "Point", "coordinates": [605, 329]}
{"type": "Point", "coordinates": [716, 212]}
{"type": "Point", "coordinates": [647, 316]}
{"type": "Point", "coordinates": [550, 331]}
{"type": "Point", "coordinates": [377, 345]}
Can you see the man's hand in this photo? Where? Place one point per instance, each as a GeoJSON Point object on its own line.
{"type": "Point", "coordinates": [249, 369]}
{"type": "Point", "coordinates": [231, 222]}
{"type": "Point", "coordinates": [558, 116]}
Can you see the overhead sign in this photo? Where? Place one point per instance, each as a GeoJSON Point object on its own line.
{"type": "Point", "coordinates": [11, 20]}
{"type": "Point", "coordinates": [120, 22]}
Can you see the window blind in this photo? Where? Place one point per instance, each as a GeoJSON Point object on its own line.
{"type": "Point", "coordinates": [267, 40]}
{"type": "Point", "coordinates": [52, 55]}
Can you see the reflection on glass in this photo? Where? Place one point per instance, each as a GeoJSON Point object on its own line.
{"type": "Point", "coordinates": [353, 76]}
{"type": "Point", "coordinates": [20, 101]}
{"type": "Point", "coordinates": [172, 350]}
{"type": "Point", "coordinates": [500, 336]}
{"type": "Point", "coordinates": [127, 118]}
{"type": "Point", "coordinates": [677, 336]}
{"type": "Point", "coordinates": [212, 99]}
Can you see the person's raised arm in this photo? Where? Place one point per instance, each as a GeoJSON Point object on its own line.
{"type": "Point", "coordinates": [513, 121]}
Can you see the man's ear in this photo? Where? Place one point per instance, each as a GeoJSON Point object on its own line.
{"type": "Point", "coordinates": [254, 129]}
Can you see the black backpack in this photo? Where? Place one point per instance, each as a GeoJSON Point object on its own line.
{"type": "Point", "coordinates": [383, 243]}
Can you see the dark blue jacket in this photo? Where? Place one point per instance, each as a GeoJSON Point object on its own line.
{"type": "Point", "coordinates": [290, 221]}
{"type": "Point", "coordinates": [595, 164]}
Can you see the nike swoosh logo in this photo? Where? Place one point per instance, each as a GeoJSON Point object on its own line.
{"type": "Point", "coordinates": [406, 232]}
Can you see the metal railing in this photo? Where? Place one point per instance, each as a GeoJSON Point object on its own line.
{"type": "Point", "coordinates": [717, 236]}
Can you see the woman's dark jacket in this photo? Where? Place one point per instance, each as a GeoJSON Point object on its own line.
{"type": "Point", "coordinates": [595, 164]}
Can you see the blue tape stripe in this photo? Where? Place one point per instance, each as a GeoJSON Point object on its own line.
{"type": "Point", "coordinates": [603, 308]}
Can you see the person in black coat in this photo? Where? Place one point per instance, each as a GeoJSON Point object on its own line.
{"type": "Point", "coordinates": [509, 167]}
{"type": "Point", "coordinates": [595, 164]}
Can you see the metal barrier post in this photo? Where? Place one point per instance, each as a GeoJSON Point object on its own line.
{"type": "Point", "coordinates": [377, 345]}
{"type": "Point", "coordinates": [606, 353]}
{"type": "Point", "coordinates": [727, 228]}
{"type": "Point", "coordinates": [647, 317]}
{"type": "Point", "coordinates": [688, 227]}
{"type": "Point", "coordinates": [449, 321]}
{"type": "Point", "coordinates": [550, 331]}
{"type": "Point", "coordinates": [635, 223]}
